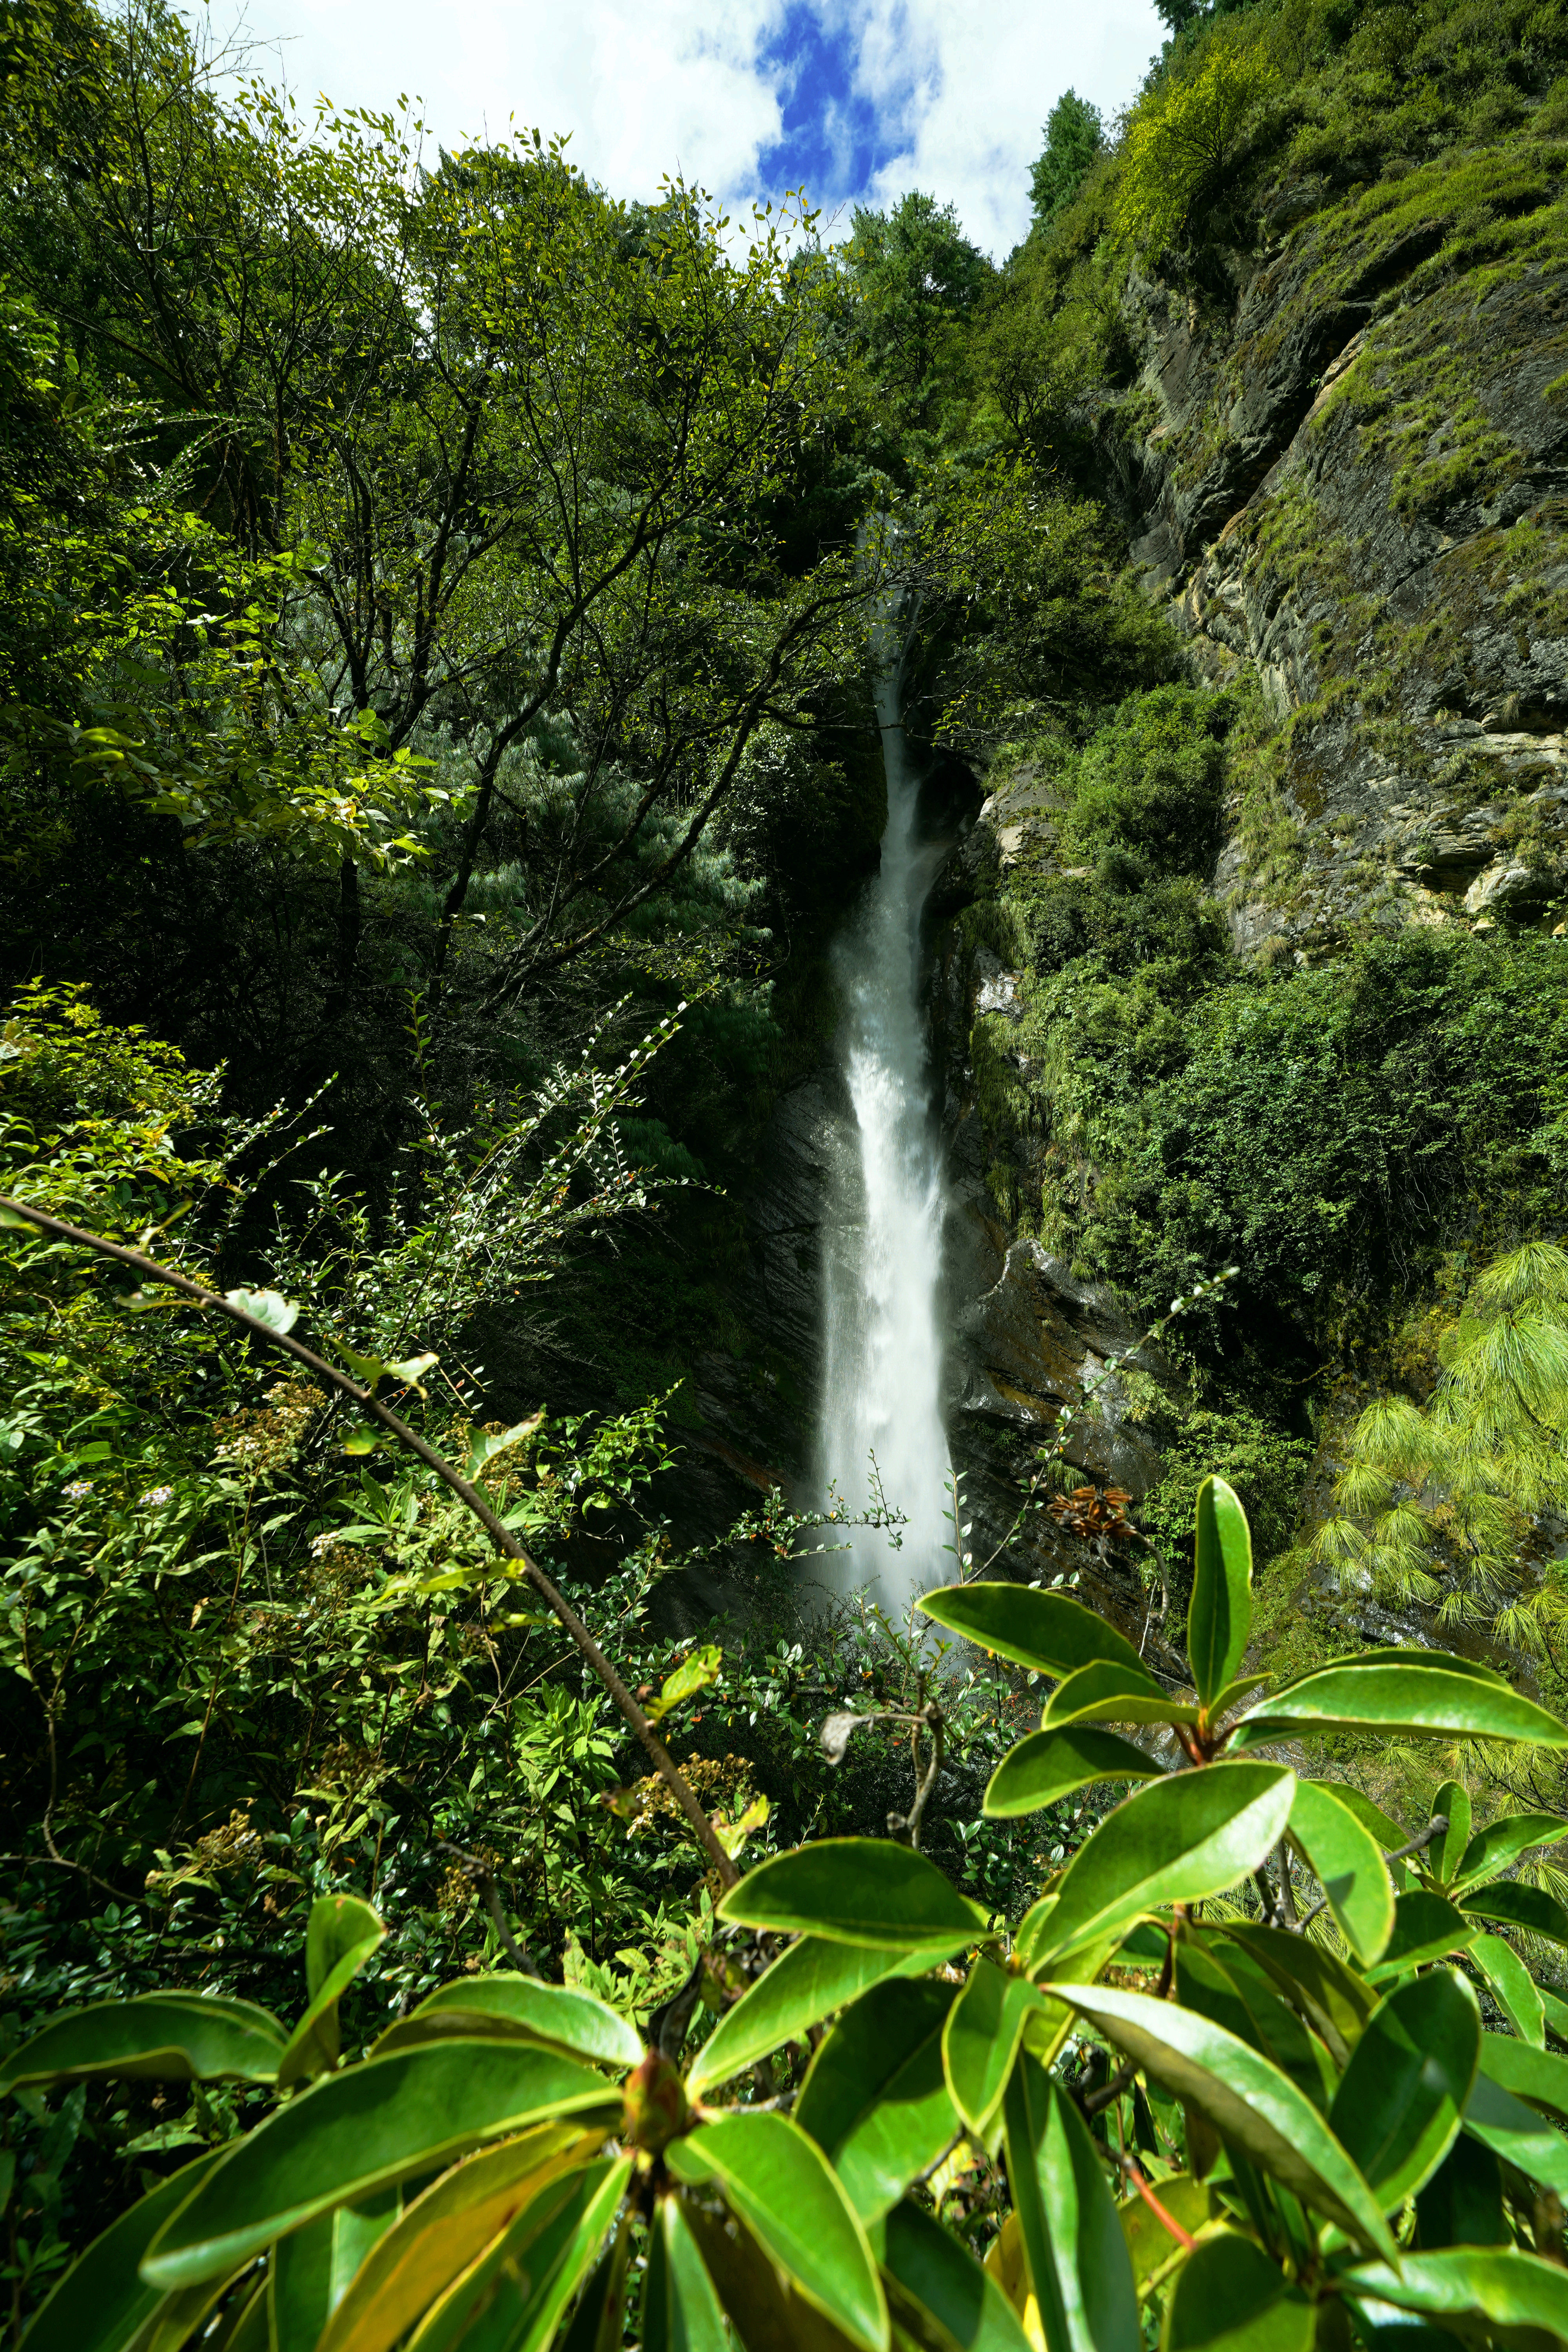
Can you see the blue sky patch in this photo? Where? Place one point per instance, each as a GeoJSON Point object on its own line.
{"type": "Point", "coordinates": [833, 139]}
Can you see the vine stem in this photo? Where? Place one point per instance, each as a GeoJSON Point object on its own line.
{"type": "Point", "coordinates": [466, 1491]}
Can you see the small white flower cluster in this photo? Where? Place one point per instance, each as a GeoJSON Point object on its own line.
{"type": "Point", "coordinates": [77, 1489]}
{"type": "Point", "coordinates": [158, 1494]}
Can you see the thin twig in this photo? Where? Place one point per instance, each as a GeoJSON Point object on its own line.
{"type": "Point", "coordinates": [477, 1872]}
{"type": "Point", "coordinates": [1166, 2220]}
{"type": "Point", "coordinates": [1093, 2101]}
{"type": "Point", "coordinates": [466, 1492]}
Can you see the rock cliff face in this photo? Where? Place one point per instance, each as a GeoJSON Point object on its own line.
{"type": "Point", "coordinates": [1356, 484]}
{"type": "Point", "coordinates": [1345, 477]}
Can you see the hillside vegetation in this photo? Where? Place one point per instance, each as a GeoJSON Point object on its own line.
{"type": "Point", "coordinates": [435, 753]}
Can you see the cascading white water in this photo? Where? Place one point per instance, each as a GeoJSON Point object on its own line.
{"type": "Point", "coordinates": [882, 1261]}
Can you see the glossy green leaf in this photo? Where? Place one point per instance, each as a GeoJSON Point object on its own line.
{"type": "Point", "coordinates": [1078, 2258]}
{"type": "Point", "coordinates": [161, 2037]}
{"type": "Point", "coordinates": [1444, 1855]}
{"type": "Point", "coordinates": [1348, 1865]}
{"type": "Point", "coordinates": [1220, 1615]}
{"type": "Point", "coordinates": [1461, 2205]}
{"type": "Point", "coordinates": [1044, 1631]}
{"type": "Point", "coordinates": [1499, 1846]}
{"type": "Point", "coordinates": [875, 2098]}
{"type": "Point", "coordinates": [511, 2299]}
{"type": "Point", "coordinates": [1219, 1981]}
{"type": "Point", "coordinates": [857, 1891]}
{"type": "Point", "coordinates": [359, 2130]}
{"type": "Point", "coordinates": [1512, 1987]}
{"type": "Point", "coordinates": [310, 2269]}
{"type": "Point", "coordinates": [1382, 1826]}
{"type": "Point", "coordinates": [752, 2288]}
{"type": "Point", "coordinates": [1049, 1765]}
{"type": "Point", "coordinates": [984, 2028]}
{"type": "Point", "coordinates": [1440, 1661]}
{"type": "Point", "coordinates": [681, 2311]}
{"type": "Point", "coordinates": [1540, 2075]}
{"type": "Point", "coordinates": [1331, 1998]}
{"type": "Point", "coordinates": [808, 1982]}
{"type": "Point", "coordinates": [1402, 2098]}
{"type": "Point", "coordinates": [102, 2303]}
{"type": "Point", "coordinates": [1189, 1835]}
{"type": "Point", "coordinates": [1513, 1905]}
{"type": "Point", "coordinates": [1408, 1700]}
{"type": "Point", "coordinates": [784, 2189]}
{"type": "Point", "coordinates": [484, 1444]}
{"type": "Point", "coordinates": [1556, 2013]}
{"type": "Point", "coordinates": [518, 2007]}
{"type": "Point", "coordinates": [447, 2227]}
{"type": "Point", "coordinates": [1517, 2134]}
{"type": "Point", "coordinates": [1505, 2288]}
{"type": "Point", "coordinates": [1229, 2297]}
{"type": "Point", "coordinates": [939, 2294]}
{"type": "Point", "coordinates": [1109, 1691]}
{"type": "Point", "coordinates": [695, 1673]}
{"type": "Point", "coordinates": [338, 1925]}
{"type": "Point", "coordinates": [343, 1934]}
{"type": "Point", "coordinates": [598, 2324]}
{"type": "Point", "coordinates": [1426, 1927]}
{"type": "Point", "coordinates": [1248, 2099]}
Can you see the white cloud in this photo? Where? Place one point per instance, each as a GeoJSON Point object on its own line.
{"type": "Point", "coordinates": [960, 88]}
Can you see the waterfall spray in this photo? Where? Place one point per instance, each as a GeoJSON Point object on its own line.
{"type": "Point", "coordinates": [882, 1389]}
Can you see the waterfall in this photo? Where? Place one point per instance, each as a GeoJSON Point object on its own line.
{"type": "Point", "coordinates": [882, 1260]}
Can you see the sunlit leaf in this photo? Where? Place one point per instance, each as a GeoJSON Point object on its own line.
{"type": "Point", "coordinates": [511, 2299]}
{"type": "Point", "coordinates": [512, 2007]}
{"type": "Point", "coordinates": [697, 1673]}
{"type": "Point", "coordinates": [1249, 2100]}
{"type": "Point", "coordinates": [1050, 1765]}
{"type": "Point", "coordinates": [341, 1935]}
{"type": "Point", "coordinates": [1044, 1631]}
{"type": "Point", "coordinates": [1107, 1692]}
{"type": "Point", "coordinates": [447, 2229]}
{"type": "Point", "coordinates": [1501, 2288]}
{"type": "Point", "coordinates": [784, 2189]}
{"type": "Point", "coordinates": [162, 2037]}
{"type": "Point", "coordinates": [1539, 2075]}
{"type": "Point", "coordinates": [1511, 1987]}
{"type": "Point", "coordinates": [1220, 1615]}
{"type": "Point", "coordinates": [1400, 2104]}
{"type": "Point", "coordinates": [939, 2294]}
{"type": "Point", "coordinates": [1190, 1835]}
{"type": "Point", "coordinates": [681, 2311]}
{"type": "Point", "coordinates": [1499, 1846]}
{"type": "Point", "coordinates": [1408, 1701]}
{"type": "Point", "coordinates": [983, 2030]}
{"type": "Point", "coordinates": [1348, 1863]}
{"type": "Point", "coordinates": [808, 1982]}
{"type": "Point", "coordinates": [1514, 1905]}
{"type": "Point", "coordinates": [1078, 2257]}
{"type": "Point", "coordinates": [856, 1891]}
{"type": "Point", "coordinates": [1517, 2134]}
{"type": "Point", "coordinates": [359, 2130]}
{"type": "Point", "coordinates": [875, 2098]}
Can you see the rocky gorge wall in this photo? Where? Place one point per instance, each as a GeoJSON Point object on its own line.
{"type": "Point", "coordinates": [1343, 471]}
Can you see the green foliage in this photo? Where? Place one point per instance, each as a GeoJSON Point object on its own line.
{"type": "Point", "coordinates": [1440, 1502]}
{"type": "Point", "coordinates": [1282, 2105]}
{"type": "Point", "coordinates": [918, 278]}
{"type": "Point", "coordinates": [1075, 135]}
{"type": "Point", "coordinates": [1186, 135]}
